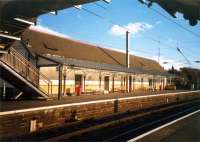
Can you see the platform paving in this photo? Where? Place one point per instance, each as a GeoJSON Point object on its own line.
{"type": "Point", "coordinates": [17, 105]}
{"type": "Point", "coordinates": [186, 130]}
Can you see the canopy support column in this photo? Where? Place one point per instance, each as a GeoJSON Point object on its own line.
{"type": "Point", "coordinates": [100, 78]}
{"type": "Point", "coordinates": [113, 83]}
{"type": "Point", "coordinates": [60, 67]}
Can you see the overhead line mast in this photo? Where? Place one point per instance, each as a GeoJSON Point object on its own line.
{"type": "Point", "coordinates": [127, 50]}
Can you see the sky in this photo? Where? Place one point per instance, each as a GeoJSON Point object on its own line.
{"type": "Point", "coordinates": [149, 31]}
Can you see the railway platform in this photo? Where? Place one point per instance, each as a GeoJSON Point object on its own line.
{"type": "Point", "coordinates": [28, 104]}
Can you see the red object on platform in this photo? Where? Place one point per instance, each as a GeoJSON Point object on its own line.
{"type": "Point", "coordinates": [78, 90]}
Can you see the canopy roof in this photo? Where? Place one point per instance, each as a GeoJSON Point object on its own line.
{"type": "Point", "coordinates": [26, 11]}
{"type": "Point", "coordinates": [29, 10]}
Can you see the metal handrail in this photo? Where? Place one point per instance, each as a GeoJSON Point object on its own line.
{"type": "Point", "coordinates": [27, 70]}
{"type": "Point", "coordinates": [27, 62]}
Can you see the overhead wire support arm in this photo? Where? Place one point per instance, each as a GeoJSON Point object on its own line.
{"type": "Point", "coordinates": [93, 13]}
{"type": "Point", "coordinates": [80, 7]}
{"type": "Point", "coordinates": [188, 61]}
{"type": "Point", "coordinates": [97, 4]}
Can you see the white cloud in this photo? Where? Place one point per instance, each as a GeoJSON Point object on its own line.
{"type": "Point", "coordinates": [133, 28]}
{"type": "Point", "coordinates": [158, 22]}
{"type": "Point", "coordinates": [47, 30]}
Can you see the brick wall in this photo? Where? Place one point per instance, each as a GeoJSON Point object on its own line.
{"type": "Point", "coordinates": [19, 123]}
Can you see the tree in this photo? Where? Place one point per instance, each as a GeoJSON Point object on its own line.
{"type": "Point", "coordinates": [186, 78]}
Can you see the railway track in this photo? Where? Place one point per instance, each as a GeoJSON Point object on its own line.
{"type": "Point", "coordinates": [120, 127]}
{"type": "Point", "coordinates": [147, 127]}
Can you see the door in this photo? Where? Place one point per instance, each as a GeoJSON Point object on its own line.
{"type": "Point", "coordinates": [106, 83]}
{"type": "Point", "coordinates": [130, 83]}
{"type": "Point", "coordinates": [150, 84]}
{"type": "Point", "coordinates": [78, 84]}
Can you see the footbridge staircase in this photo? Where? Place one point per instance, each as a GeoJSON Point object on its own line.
{"type": "Point", "coordinates": [22, 74]}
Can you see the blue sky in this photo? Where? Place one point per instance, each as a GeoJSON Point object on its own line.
{"type": "Point", "coordinates": [150, 31]}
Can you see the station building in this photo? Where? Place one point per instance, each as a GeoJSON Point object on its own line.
{"type": "Point", "coordinates": [77, 68]}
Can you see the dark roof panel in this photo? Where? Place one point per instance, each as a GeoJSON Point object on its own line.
{"type": "Point", "coordinates": [43, 44]}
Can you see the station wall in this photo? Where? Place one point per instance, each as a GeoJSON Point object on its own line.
{"type": "Point", "coordinates": [93, 81]}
